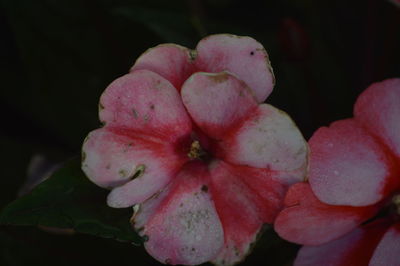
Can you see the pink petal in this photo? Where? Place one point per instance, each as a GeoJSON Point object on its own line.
{"type": "Point", "coordinates": [353, 249]}
{"type": "Point", "coordinates": [308, 221]}
{"type": "Point", "coordinates": [181, 224]}
{"type": "Point", "coordinates": [268, 139]}
{"type": "Point", "coordinates": [388, 250]}
{"type": "Point", "coordinates": [378, 109]}
{"type": "Point", "coordinates": [146, 103]}
{"type": "Point", "coordinates": [347, 166]}
{"type": "Point", "coordinates": [217, 102]}
{"type": "Point", "coordinates": [291, 177]}
{"type": "Point", "coordinates": [171, 61]}
{"type": "Point", "coordinates": [240, 209]}
{"type": "Point", "coordinates": [111, 160]}
{"type": "Point", "coordinates": [268, 188]}
{"type": "Point", "coordinates": [243, 56]}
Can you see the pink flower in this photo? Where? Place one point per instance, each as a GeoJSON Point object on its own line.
{"type": "Point", "coordinates": [349, 211]}
{"type": "Point", "coordinates": [187, 143]}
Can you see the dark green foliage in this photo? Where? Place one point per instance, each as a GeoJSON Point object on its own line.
{"type": "Point", "coordinates": [69, 200]}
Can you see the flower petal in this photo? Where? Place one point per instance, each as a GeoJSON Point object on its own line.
{"type": "Point", "coordinates": [243, 56]}
{"type": "Point", "coordinates": [267, 187]}
{"type": "Point", "coordinates": [112, 160]}
{"type": "Point", "coordinates": [353, 249]}
{"type": "Point", "coordinates": [240, 210]}
{"type": "Point", "coordinates": [217, 102]}
{"type": "Point", "coordinates": [171, 61]}
{"type": "Point", "coordinates": [388, 250]}
{"type": "Point", "coordinates": [378, 109]}
{"type": "Point", "coordinates": [308, 221]}
{"type": "Point", "coordinates": [181, 224]}
{"type": "Point", "coordinates": [147, 103]}
{"type": "Point", "coordinates": [270, 139]}
{"type": "Point", "coordinates": [347, 166]}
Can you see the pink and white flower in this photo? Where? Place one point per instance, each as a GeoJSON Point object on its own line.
{"type": "Point", "coordinates": [188, 144]}
{"type": "Point", "coordinates": [348, 213]}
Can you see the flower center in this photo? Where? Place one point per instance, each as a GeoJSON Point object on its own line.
{"type": "Point", "coordinates": [196, 151]}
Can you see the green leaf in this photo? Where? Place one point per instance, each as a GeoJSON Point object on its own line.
{"type": "Point", "coordinates": [69, 200]}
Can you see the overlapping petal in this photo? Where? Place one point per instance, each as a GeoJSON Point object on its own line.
{"type": "Point", "coordinates": [388, 250]}
{"type": "Point", "coordinates": [308, 221]}
{"type": "Point", "coordinates": [378, 109]}
{"type": "Point", "coordinates": [354, 162]}
{"type": "Point", "coordinates": [181, 225]}
{"type": "Point", "coordinates": [269, 186]}
{"type": "Point", "coordinates": [145, 103]}
{"type": "Point", "coordinates": [353, 249]}
{"type": "Point", "coordinates": [171, 61]}
{"type": "Point", "coordinates": [348, 166]}
{"type": "Point", "coordinates": [136, 168]}
{"type": "Point", "coordinates": [268, 139]}
{"type": "Point", "coordinates": [238, 206]}
{"type": "Point", "coordinates": [243, 56]}
{"type": "Point", "coordinates": [217, 103]}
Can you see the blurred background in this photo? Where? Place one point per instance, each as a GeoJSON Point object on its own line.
{"type": "Point", "coordinates": [57, 56]}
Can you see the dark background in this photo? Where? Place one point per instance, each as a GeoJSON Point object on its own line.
{"type": "Point", "coordinates": [57, 56]}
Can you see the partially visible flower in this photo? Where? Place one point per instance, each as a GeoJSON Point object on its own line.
{"type": "Point", "coordinates": [187, 144]}
{"type": "Point", "coordinates": [348, 213]}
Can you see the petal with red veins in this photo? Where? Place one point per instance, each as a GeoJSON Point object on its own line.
{"type": "Point", "coordinates": [347, 166]}
{"type": "Point", "coordinates": [388, 250]}
{"type": "Point", "coordinates": [217, 102]}
{"type": "Point", "coordinates": [267, 186]}
{"type": "Point", "coordinates": [243, 56]}
{"type": "Point", "coordinates": [353, 249]}
{"type": "Point", "coordinates": [268, 139]}
{"type": "Point", "coordinates": [240, 209]}
{"type": "Point", "coordinates": [378, 109]}
{"type": "Point", "coordinates": [171, 61]}
{"type": "Point", "coordinates": [147, 103]}
{"type": "Point", "coordinates": [112, 160]}
{"type": "Point", "coordinates": [308, 221]}
{"type": "Point", "coordinates": [181, 225]}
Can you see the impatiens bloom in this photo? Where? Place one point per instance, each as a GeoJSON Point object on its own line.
{"type": "Point", "coordinates": [348, 213]}
{"type": "Point", "coordinates": [188, 144]}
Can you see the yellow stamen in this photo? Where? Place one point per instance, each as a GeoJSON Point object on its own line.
{"type": "Point", "coordinates": [195, 150]}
